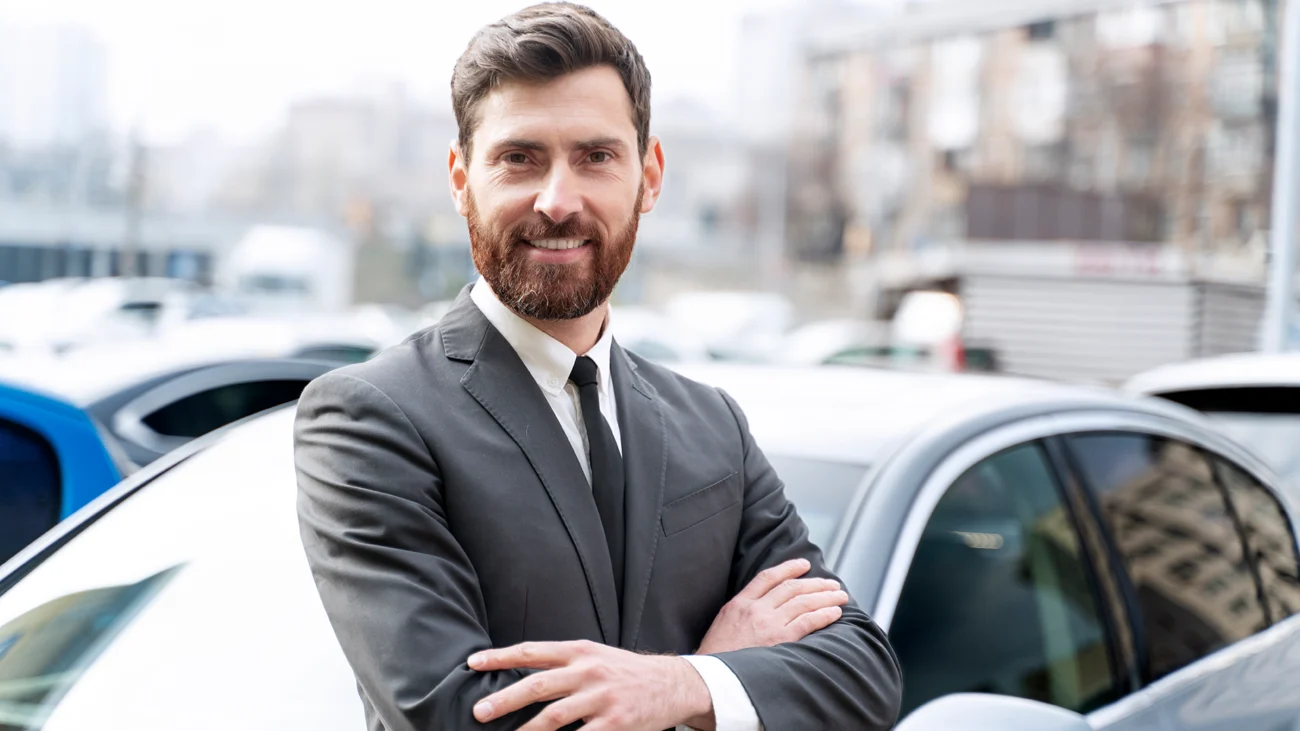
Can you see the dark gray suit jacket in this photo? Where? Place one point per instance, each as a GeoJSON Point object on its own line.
{"type": "Point", "coordinates": [443, 511]}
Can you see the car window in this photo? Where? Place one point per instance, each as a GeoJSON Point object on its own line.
{"type": "Point", "coordinates": [1269, 539]}
{"type": "Point", "coordinates": [821, 491]}
{"type": "Point", "coordinates": [998, 598]}
{"type": "Point", "coordinates": [200, 413]}
{"type": "Point", "coordinates": [1177, 542]}
{"type": "Point", "coordinates": [335, 353]}
{"type": "Point", "coordinates": [30, 487]}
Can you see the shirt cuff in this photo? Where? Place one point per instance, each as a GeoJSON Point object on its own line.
{"type": "Point", "coordinates": [732, 709]}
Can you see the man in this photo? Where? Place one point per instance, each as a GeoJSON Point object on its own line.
{"type": "Point", "coordinates": [512, 522]}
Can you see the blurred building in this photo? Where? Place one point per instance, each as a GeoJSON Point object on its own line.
{"type": "Point", "coordinates": [54, 145]}
{"type": "Point", "coordinates": [379, 151]}
{"type": "Point", "coordinates": [1092, 156]}
{"type": "Point", "coordinates": [52, 86]}
{"type": "Point", "coordinates": [1041, 120]}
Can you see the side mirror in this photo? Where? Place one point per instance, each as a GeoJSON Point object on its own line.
{"type": "Point", "coordinates": [980, 712]}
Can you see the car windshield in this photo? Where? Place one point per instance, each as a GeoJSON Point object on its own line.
{"type": "Point", "coordinates": [821, 490]}
{"type": "Point", "coordinates": [198, 571]}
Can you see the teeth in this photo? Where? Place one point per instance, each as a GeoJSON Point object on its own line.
{"type": "Point", "coordinates": [557, 244]}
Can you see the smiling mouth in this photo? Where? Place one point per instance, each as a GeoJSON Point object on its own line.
{"type": "Point", "coordinates": [556, 244]}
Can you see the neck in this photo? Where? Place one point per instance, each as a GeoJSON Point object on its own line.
{"type": "Point", "coordinates": [579, 334]}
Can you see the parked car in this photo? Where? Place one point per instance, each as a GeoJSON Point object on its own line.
{"type": "Point", "coordinates": [1255, 397]}
{"type": "Point", "coordinates": [655, 337]}
{"type": "Point", "coordinates": [1074, 558]}
{"type": "Point", "coordinates": [59, 315]}
{"type": "Point", "coordinates": [70, 429]}
{"type": "Point", "coordinates": [54, 458]}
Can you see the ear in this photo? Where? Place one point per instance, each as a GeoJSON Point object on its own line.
{"type": "Point", "coordinates": [652, 174]}
{"type": "Point", "coordinates": [458, 177]}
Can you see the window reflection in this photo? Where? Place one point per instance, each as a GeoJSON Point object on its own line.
{"type": "Point", "coordinates": [45, 651]}
{"type": "Point", "coordinates": [1178, 543]}
{"type": "Point", "coordinates": [1269, 538]}
{"type": "Point", "coordinates": [997, 599]}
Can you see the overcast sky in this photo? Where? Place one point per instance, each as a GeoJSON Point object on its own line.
{"type": "Point", "coordinates": [233, 65]}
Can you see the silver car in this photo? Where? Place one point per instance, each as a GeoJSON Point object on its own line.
{"type": "Point", "coordinates": [1044, 557]}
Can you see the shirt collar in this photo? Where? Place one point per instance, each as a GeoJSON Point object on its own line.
{"type": "Point", "coordinates": [548, 360]}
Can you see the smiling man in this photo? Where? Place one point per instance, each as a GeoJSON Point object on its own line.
{"type": "Point", "coordinates": [514, 523]}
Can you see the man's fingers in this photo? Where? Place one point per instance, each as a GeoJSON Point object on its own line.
{"type": "Point", "coordinates": [791, 588]}
{"type": "Point", "coordinates": [768, 579]}
{"type": "Point", "coordinates": [564, 712]}
{"type": "Point", "coordinates": [536, 688]}
{"type": "Point", "coordinates": [806, 603]}
{"type": "Point", "coordinates": [534, 655]}
{"type": "Point", "coordinates": [806, 624]}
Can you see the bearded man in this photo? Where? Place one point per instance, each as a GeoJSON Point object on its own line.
{"type": "Point", "coordinates": [513, 522]}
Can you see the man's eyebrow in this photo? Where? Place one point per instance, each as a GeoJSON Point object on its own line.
{"type": "Point", "coordinates": [520, 144]}
{"type": "Point", "coordinates": [610, 142]}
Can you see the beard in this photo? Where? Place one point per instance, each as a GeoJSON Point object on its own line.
{"type": "Point", "coordinates": [543, 290]}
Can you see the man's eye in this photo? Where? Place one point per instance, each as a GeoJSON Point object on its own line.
{"type": "Point", "coordinates": [598, 156]}
{"type": "Point", "coordinates": [516, 158]}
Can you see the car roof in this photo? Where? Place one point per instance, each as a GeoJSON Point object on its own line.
{"type": "Point", "coordinates": [89, 374]}
{"type": "Point", "coordinates": [29, 398]}
{"type": "Point", "coordinates": [1238, 370]}
{"type": "Point", "coordinates": [851, 413]}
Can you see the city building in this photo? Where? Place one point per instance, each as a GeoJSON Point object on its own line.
{"type": "Point", "coordinates": [53, 86]}
{"type": "Point", "coordinates": [1108, 160]}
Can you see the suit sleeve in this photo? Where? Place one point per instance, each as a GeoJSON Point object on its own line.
{"type": "Point", "coordinates": [399, 590]}
{"type": "Point", "coordinates": [845, 676]}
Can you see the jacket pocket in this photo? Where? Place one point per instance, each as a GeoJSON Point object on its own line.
{"type": "Point", "coordinates": [700, 505]}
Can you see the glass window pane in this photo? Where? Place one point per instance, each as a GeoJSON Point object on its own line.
{"type": "Point", "coordinates": [1269, 538]}
{"type": "Point", "coordinates": [821, 490]}
{"type": "Point", "coordinates": [196, 415]}
{"type": "Point", "coordinates": [30, 485]}
{"type": "Point", "coordinates": [1178, 544]}
{"type": "Point", "coordinates": [997, 599]}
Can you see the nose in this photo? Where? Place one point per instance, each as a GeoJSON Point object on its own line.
{"type": "Point", "coordinates": [560, 197]}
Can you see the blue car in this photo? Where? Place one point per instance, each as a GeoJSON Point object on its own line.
{"type": "Point", "coordinates": [54, 458]}
{"type": "Point", "coordinates": [69, 430]}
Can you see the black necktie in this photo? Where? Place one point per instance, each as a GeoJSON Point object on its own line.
{"type": "Point", "coordinates": [606, 464]}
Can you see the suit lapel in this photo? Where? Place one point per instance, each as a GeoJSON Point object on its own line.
{"type": "Point", "coordinates": [500, 382]}
{"type": "Point", "coordinates": [645, 447]}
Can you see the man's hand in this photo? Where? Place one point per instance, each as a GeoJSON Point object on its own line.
{"type": "Point", "coordinates": [608, 688]}
{"type": "Point", "coordinates": [777, 606]}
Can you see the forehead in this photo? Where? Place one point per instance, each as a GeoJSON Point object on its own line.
{"type": "Point", "coordinates": [588, 102]}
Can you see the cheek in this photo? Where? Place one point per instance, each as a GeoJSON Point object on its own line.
{"type": "Point", "coordinates": [612, 208]}
{"type": "Point", "coordinates": [499, 213]}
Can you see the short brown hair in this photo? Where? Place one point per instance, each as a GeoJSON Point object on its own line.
{"type": "Point", "coordinates": [541, 43]}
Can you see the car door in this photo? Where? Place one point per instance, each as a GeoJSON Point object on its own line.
{"type": "Point", "coordinates": [1207, 559]}
{"type": "Point", "coordinates": [203, 400]}
{"type": "Point", "coordinates": [1001, 595]}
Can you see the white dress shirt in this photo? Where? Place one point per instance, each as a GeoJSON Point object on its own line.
{"type": "Point", "coordinates": [550, 362]}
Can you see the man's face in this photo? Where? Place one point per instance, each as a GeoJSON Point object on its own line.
{"type": "Point", "coordinates": [553, 191]}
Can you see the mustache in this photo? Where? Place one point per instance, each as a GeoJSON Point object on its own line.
{"type": "Point", "coordinates": [569, 228]}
